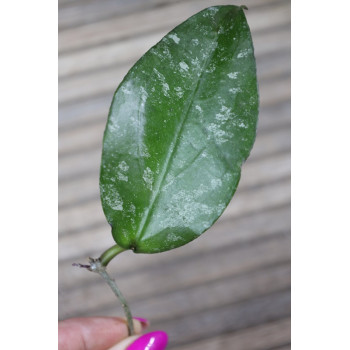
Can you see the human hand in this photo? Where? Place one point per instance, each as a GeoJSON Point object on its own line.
{"type": "Point", "coordinates": [107, 333]}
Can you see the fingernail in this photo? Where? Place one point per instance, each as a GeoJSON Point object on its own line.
{"type": "Point", "coordinates": [150, 341]}
{"type": "Point", "coordinates": [144, 322]}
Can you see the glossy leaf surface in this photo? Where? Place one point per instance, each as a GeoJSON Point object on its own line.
{"type": "Point", "coordinates": [180, 126]}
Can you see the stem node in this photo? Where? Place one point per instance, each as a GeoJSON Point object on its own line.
{"type": "Point", "coordinates": [97, 265]}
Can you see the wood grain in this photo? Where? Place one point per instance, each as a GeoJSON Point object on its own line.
{"type": "Point", "coordinates": [267, 336]}
{"type": "Point", "coordinates": [185, 273]}
{"type": "Point", "coordinates": [265, 223]}
{"type": "Point", "coordinates": [158, 19]}
{"type": "Point", "coordinates": [77, 13]}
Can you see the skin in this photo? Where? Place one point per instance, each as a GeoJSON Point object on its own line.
{"type": "Point", "coordinates": [95, 333]}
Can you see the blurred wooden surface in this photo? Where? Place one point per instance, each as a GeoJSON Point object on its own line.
{"type": "Point", "coordinates": [229, 289]}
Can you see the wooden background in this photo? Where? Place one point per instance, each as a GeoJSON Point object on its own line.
{"type": "Point", "coordinates": [229, 289]}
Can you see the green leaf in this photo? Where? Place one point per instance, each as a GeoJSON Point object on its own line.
{"type": "Point", "coordinates": [180, 126]}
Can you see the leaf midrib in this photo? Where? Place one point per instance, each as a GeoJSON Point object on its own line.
{"type": "Point", "coordinates": [146, 217]}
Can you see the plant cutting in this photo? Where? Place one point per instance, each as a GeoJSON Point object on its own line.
{"type": "Point", "coordinates": [181, 124]}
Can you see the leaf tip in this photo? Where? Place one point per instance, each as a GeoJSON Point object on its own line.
{"type": "Point", "coordinates": [244, 7]}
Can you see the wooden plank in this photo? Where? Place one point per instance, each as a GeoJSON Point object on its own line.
{"type": "Point", "coordinates": [161, 19]}
{"type": "Point", "coordinates": [231, 289]}
{"type": "Point", "coordinates": [76, 248]}
{"type": "Point", "coordinates": [78, 140]}
{"type": "Point", "coordinates": [185, 273]}
{"type": "Point", "coordinates": [90, 134]}
{"type": "Point", "coordinates": [72, 116]}
{"type": "Point", "coordinates": [273, 65]}
{"type": "Point", "coordinates": [271, 192]}
{"type": "Point", "coordinates": [129, 51]}
{"type": "Point", "coordinates": [77, 191]}
{"type": "Point", "coordinates": [273, 168]}
{"type": "Point", "coordinates": [267, 120]}
{"type": "Point", "coordinates": [239, 229]}
{"type": "Point", "coordinates": [73, 13]}
{"type": "Point", "coordinates": [261, 337]}
{"type": "Point", "coordinates": [255, 199]}
{"type": "Point", "coordinates": [84, 112]}
{"type": "Point", "coordinates": [72, 219]}
{"type": "Point", "coordinates": [74, 281]}
{"type": "Point", "coordinates": [90, 216]}
{"type": "Point", "coordinates": [92, 242]}
{"type": "Point", "coordinates": [275, 90]}
{"type": "Point", "coordinates": [106, 81]}
{"type": "Point", "coordinates": [75, 113]}
{"type": "Point", "coordinates": [77, 165]}
{"type": "Point", "coordinates": [102, 83]}
{"type": "Point", "coordinates": [228, 318]}
{"type": "Point", "coordinates": [89, 137]}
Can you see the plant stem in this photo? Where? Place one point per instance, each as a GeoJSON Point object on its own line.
{"type": "Point", "coordinates": [109, 254]}
{"type": "Point", "coordinates": [103, 273]}
{"type": "Point", "coordinates": [97, 266]}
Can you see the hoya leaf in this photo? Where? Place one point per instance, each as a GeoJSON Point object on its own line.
{"type": "Point", "coordinates": [180, 126]}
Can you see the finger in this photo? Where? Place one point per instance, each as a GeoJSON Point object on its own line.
{"type": "Point", "coordinates": [123, 345]}
{"type": "Point", "coordinates": [93, 333]}
{"type": "Point", "coordinates": [140, 324]}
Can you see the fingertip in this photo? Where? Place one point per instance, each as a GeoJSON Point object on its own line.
{"type": "Point", "coordinates": [140, 324]}
{"type": "Point", "coordinates": [144, 322]}
{"type": "Point", "coordinates": [123, 345]}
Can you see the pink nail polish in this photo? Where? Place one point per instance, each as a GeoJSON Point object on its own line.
{"type": "Point", "coordinates": [150, 341]}
{"type": "Point", "coordinates": [144, 321]}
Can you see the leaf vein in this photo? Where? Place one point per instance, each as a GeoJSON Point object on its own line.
{"type": "Point", "coordinates": [145, 221]}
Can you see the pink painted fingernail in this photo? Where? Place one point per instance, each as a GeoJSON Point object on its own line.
{"type": "Point", "coordinates": [157, 340]}
{"type": "Point", "coordinates": [144, 322]}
